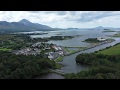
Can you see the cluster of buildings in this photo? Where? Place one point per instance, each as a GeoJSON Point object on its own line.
{"type": "Point", "coordinates": [32, 50]}
{"type": "Point", "coordinates": [28, 51]}
{"type": "Point", "coordinates": [58, 51]}
{"type": "Point", "coordinates": [53, 51]}
{"type": "Point", "coordinates": [44, 46]}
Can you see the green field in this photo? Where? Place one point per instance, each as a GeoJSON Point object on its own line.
{"type": "Point", "coordinates": [59, 59]}
{"type": "Point", "coordinates": [5, 49]}
{"type": "Point", "coordinates": [70, 51]}
{"type": "Point", "coordinates": [116, 35]}
{"type": "Point", "coordinates": [58, 66]}
{"type": "Point", "coordinates": [115, 50]}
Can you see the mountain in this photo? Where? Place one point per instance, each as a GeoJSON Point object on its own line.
{"type": "Point", "coordinates": [102, 28]}
{"type": "Point", "coordinates": [34, 25]}
{"type": "Point", "coordinates": [25, 22]}
{"type": "Point", "coordinates": [22, 25]}
{"type": "Point", "coordinates": [99, 28]}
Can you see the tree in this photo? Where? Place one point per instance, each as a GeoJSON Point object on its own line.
{"type": "Point", "coordinates": [98, 76]}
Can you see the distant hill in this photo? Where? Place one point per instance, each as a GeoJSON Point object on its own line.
{"type": "Point", "coordinates": [99, 27]}
{"type": "Point", "coordinates": [22, 25]}
{"type": "Point", "coordinates": [71, 28]}
{"type": "Point", "coordinates": [103, 28]}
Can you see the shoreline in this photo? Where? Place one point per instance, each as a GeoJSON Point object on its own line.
{"type": "Point", "coordinates": [56, 71]}
{"type": "Point", "coordinates": [86, 48]}
{"type": "Point", "coordinates": [98, 44]}
{"type": "Point", "coordinates": [60, 73]}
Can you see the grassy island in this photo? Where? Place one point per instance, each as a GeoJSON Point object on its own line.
{"type": "Point", "coordinates": [92, 40]}
{"type": "Point", "coordinates": [108, 30]}
{"type": "Point", "coordinates": [98, 40]}
{"type": "Point", "coordinates": [116, 35]}
{"type": "Point", "coordinates": [60, 37]}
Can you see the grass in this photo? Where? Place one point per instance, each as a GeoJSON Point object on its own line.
{"type": "Point", "coordinates": [58, 66]}
{"type": "Point", "coordinates": [115, 50]}
{"type": "Point", "coordinates": [79, 48]}
{"type": "Point", "coordinates": [6, 37]}
{"type": "Point", "coordinates": [109, 39]}
{"type": "Point", "coordinates": [5, 49]}
{"type": "Point", "coordinates": [82, 48]}
{"type": "Point", "coordinates": [59, 59]}
{"type": "Point", "coordinates": [74, 51]}
{"type": "Point", "coordinates": [70, 51]}
{"type": "Point", "coordinates": [67, 49]}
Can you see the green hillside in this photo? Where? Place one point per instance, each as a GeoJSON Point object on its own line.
{"type": "Point", "coordinates": [115, 50]}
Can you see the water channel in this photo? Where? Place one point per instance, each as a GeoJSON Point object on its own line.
{"type": "Point", "coordinates": [69, 61]}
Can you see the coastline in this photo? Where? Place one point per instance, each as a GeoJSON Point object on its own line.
{"type": "Point", "coordinates": [92, 46]}
{"type": "Point", "coordinates": [56, 71]}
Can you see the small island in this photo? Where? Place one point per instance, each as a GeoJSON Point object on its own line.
{"type": "Point", "coordinates": [108, 30]}
{"type": "Point", "coordinates": [95, 40]}
{"type": "Point", "coordinates": [59, 34]}
{"type": "Point", "coordinates": [98, 41]}
{"type": "Point", "coordinates": [60, 37]}
{"type": "Point", "coordinates": [116, 35]}
{"type": "Point", "coordinates": [31, 33]}
{"type": "Point", "coordinates": [63, 37]}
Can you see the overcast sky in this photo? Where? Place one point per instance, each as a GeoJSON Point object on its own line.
{"type": "Point", "coordinates": [65, 19]}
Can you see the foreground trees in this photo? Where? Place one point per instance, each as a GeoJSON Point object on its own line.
{"type": "Point", "coordinates": [23, 67]}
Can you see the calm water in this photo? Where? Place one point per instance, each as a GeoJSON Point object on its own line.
{"type": "Point", "coordinates": [73, 49]}
{"type": "Point", "coordinates": [77, 41]}
{"type": "Point", "coordinates": [69, 61]}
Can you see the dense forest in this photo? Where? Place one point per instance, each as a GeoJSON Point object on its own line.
{"type": "Point", "coordinates": [101, 67]}
{"type": "Point", "coordinates": [23, 67]}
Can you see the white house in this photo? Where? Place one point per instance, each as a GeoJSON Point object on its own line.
{"type": "Point", "coordinates": [101, 39]}
{"type": "Point", "coordinates": [60, 52]}
{"type": "Point", "coordinates": [50, 56]}
{"type": "Point", "coordinates": [59, 48]}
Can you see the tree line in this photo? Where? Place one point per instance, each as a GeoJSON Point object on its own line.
{"type": "Point", "coordinates": [101, 67]}
{"type": "Point", "coordinates": [23, 67]}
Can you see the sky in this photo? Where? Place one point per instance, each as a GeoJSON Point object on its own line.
{"type": "Point", "coordinates": [65, 19]}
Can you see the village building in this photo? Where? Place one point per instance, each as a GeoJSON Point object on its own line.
{"type": "Point", "coordinates": [101, 39]}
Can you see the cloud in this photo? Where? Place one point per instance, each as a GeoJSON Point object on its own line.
{"type": "Point", "coordinates": [96, 15]}
{"type": "Point", "coordinates": [63, 18]}
{"type": "Point", "coordinates": [79, 16]}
